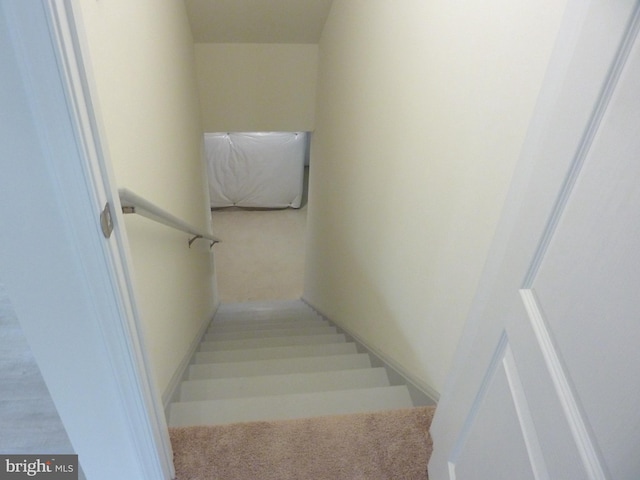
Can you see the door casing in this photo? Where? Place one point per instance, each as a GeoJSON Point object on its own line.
{"type": "Point", "coordinates": [70, 286]}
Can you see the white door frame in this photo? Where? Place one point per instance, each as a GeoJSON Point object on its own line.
{"type": "Point", "coordinates": [71, 287]}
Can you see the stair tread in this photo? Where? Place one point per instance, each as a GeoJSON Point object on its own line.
{"type": "Point", "coordinates": [263, 310]}
{"type": "Point", "coordinates": [279, 366]}
{"type": "Point", "coordinates": [263, 306]}
{"type": "Point", "coordinates": [232, 326]}
{"type": "Point", "coordinates": [268, 385]}
{"type": "Point", "coordinates": [299, 405]}
{"type": "Point", "coordinates": [279, 360]}
{"type": "Point", "coordinates": [266, 314]}
{"type": "Point", "coordinates": [275, 332]}
{"type": "Point", "coordinates": [219, 345]}
{"type": "Point", "coordinates": [275, 352]}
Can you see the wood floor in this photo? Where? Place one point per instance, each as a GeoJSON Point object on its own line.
{"type": "Point", "coordinates": [29, 422]}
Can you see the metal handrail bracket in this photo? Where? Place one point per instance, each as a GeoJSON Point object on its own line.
{"type": "Point", "coordinates": [133, 203]}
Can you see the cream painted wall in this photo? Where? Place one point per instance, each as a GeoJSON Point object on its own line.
{"type": "Point", "coordinates": [257, 87]}
{"type": "Point", "coordinates": [143, 62]}
{"type": "Point", "coordinates": [422, 108]}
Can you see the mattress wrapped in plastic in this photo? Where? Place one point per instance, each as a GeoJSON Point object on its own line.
{"type": "Point", "coordinates": [262, 170]}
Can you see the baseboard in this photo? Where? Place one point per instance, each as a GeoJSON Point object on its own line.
{"type": "Point", "coordinates": [170, 394]}
{"type": "Point", "coordinates": [421, 394]}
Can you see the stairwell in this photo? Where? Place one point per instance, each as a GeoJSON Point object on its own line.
{"type": "Point", "coordinates": [279, 360]}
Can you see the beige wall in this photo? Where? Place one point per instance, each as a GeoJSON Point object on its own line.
{"type": "Point", "coordinates": [422, 108]}
{"type": "Point", "coordinates": [257, 87]}
{"type": "Point", "coordinates": [143, 61]}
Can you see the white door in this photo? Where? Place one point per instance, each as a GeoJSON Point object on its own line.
{"type": "Point", "coordinates": [546, 382]}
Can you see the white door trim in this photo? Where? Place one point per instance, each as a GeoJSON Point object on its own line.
{"type": "Point", "coordinates": [148, 419]}
{"type": "Point", "coordinates": [48, 43]}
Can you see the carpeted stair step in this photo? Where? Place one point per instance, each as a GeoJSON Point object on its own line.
{"type": "Point", "coordinates": [291, 351]}
{"type": "Point", "coordinates": [387, 445]}
{"type": "Point", "coordinates": [279, 366]}
{"type": "Point", "coordinates": [219, 345]}
{"type": "Point", "coordinates": [283, 384]}
{"type": "Point", "coordinates": [218, 412]}
{"type": "Point", "coordinates": [272, 332]}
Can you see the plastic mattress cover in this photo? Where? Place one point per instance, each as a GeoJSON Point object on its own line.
{"type": "Point", "coordinates": [258, 169]}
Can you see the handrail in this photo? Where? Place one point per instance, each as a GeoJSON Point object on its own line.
{"type": "Point", "coordinates": [132, 203]}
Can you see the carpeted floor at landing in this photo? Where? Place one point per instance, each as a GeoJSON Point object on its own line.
{"type": "Point", "coordinates": [390, 445]}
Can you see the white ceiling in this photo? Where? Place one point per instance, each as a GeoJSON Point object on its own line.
{"type": "Point", "coordinates": [257, 21]}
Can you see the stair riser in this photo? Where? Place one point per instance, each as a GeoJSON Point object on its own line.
{"type": "Point", "coordinates": [279, 360]}
{"type": "Point", "coordinates": [276, 352]}
{"type": "Point", "coordinates": [239, 327]}
{"type": "Point", "coordinates": [279, 366]}
{"type": "Point", "coordinates": [267, 316]}
{"type": "Point", "coordinates": [217, 412]}
{"type": "Point", "coordinates": [266, 307]}
{"type": "Point", "coordinates": [220, 345]}
{"type": "Point", "coordinates": [278, 332]}
{"type": "Point", "coordinates": [283, 384]}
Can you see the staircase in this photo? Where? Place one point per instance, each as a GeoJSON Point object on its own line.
{"type": "Point", "coordinates": [278, 360]}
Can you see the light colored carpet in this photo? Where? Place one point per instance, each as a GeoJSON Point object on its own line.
{"type": "Point", "coordinates": [261, 256]}
{"type": "Point", "coordinates": [390, 445]}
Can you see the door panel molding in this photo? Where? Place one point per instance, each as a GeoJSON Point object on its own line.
{"type": "Point", "coordinates": [531, 439]}
{"type": "Point", "coordinates": [503, 362]}
{"type": "Point", "coordinates": [585, 443]}
{"type": "Point", "coordinates": [585, 144]}
{"type": "Point", "coordinates": [463, 434]}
